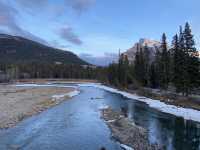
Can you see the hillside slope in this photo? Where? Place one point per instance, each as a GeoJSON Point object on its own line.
{"type": "Point", "coordinates": [15, 49]}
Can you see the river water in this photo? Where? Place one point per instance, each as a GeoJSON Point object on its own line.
{"type": "Point", "coordinates": [76, 125]}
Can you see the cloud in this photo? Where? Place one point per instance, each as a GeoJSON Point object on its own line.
{"type": "Point", "coordinates": [34, 7]}
{"type": "Point", "coordinates": [80, 5]}
{"type": "Point", "coordinates": [8, 20]}
{"type": "Point", "coordinates": [68, 34]}
{"type": "Point", "coordinates": [32, 3]}
{"type": "Point", "coordinates": [9, 15]}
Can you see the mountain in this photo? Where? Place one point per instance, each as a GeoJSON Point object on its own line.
{"type": "Point", "coordinates": [15, 49]}
{"type": "Point", "coordinates": [151, 44]}
{"type": "Point", "coordinates": [104, 60]}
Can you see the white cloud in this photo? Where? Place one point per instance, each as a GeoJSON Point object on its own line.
{"type": "Point", "coordinates": [8, 20]}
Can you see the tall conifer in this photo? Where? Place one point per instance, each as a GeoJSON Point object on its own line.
{"type": "Point", "coordinates": [191, 61]}
{"type": "Point", "coordinates": [165, 62]}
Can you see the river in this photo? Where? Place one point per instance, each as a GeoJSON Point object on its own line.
{"type": "Point", "coordinates": [76, 125]}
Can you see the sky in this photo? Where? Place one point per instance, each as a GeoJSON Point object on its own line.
{"type": "Point", "coordinates": [97, 27]}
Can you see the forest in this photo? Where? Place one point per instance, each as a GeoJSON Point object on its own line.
{"type": "Point", "coordinates": [174, 67]}
{"type": "Point", "coordinates": [36, 70]}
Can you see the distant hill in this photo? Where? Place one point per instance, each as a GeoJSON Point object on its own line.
{"type": "Point", "coordinates": [105, 60]}
{"type": "Point", "coordinates": [15, 49]}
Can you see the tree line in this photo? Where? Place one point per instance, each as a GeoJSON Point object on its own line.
{"type": "Point", "coordinates": [45, 70]}
{"type": "Point", "coordinates": [176, 66]}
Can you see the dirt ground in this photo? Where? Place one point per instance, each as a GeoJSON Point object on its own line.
{"type": "Point", "coordinates": [17, 103]}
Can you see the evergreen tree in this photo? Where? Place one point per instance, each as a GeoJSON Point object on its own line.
{"type": "Point", "coordinates": [113, 74]}
{"type": "Point", "coordinates": [157, 67]}
{"type": "Point", "coordinates": [153, 76]}
{"type": "Point", "coordinates": [165, 62]}
{"type": "Point", "coordinates": [146, 65]}
{"type": "Point", "coordinates": [126, 70]}
{"type": "Point", "coordinates": [191, 61]}
{"type": "Point", "coordinates": [120, 68]}
{"type": "Point", "coordinates": [182, 64]}
{"type": "Point", "coordinates": [142, 67]}
{"type": "Point", "coordinates": [123, 70]}
{"type": "Point", "coordinates": [139, 66]}
{"type": "Point", "coordinates": [178, 61]}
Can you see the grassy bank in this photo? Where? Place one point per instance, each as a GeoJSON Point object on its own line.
{"type": "Point", "coordinates": [168, 97]}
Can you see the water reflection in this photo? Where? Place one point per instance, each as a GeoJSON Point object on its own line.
{"type": "Point", "coordinates": [186, 135]}
{"type": "Point", "coordinates": [171, 132]}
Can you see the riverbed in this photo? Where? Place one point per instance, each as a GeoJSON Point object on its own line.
{"type": "Point", "coordinates": [77, 125]}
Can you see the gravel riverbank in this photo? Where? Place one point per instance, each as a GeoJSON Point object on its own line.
{"type": "Point", "coordinates": [17, 103]}
{"type": "Point", "coordinates": [126, 132]}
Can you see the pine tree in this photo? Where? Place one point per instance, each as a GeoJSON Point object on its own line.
{"type": "Point", "coordinates": [182, 64]}
{"type": "Point", "coordinates": [126, 70]}
{"type": "Point", "coordinates": [178, 63]}
{"type": "Point", "coordinates": [142, 67]}
{"type": "Point", "coordinates": [139, 67]}
{"type": "Point", "coordinates": [157, 67]}
{"type": "Point", "coordinates": [123, 70]}
{"type": "Point", "coordinates": [112, 72]}
{"type": "Point", "coordinates": [191, 61]}
{"type": "Point", "coordinates": [146, 65]}
{"type": "Point", "coordinates": [153, 76]}
{"type": "Point", "coordinates": [120, 68]}
{"type": "Point", "coordinates": [165, 62]}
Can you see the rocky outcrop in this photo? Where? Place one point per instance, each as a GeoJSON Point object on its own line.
{"type": "Point", "coordinates": [151, 44]}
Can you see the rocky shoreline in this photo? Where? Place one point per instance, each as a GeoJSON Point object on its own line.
{"type": "Point", "coordinates": [126, 132]}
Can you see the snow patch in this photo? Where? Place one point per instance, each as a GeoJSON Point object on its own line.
{"type": "Point", "coordinates": [45, 85]}
{"type": "Point", "coordinates": [110, 121]}
{"type": "Point", "coordinates": [186, 113]}
{"type": "Point", "coordinates": [73, 93]}
{"type": "Point", "coordinates": [70, 94]}
{"type": "Point", "coordinates": [125, 147]}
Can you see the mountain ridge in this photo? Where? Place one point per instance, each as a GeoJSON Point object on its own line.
{"type": "Point", "coordinates": [16, 49]}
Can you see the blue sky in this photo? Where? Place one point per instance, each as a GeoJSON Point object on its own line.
{"type": "Point", "coordinates": [97, 26]}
